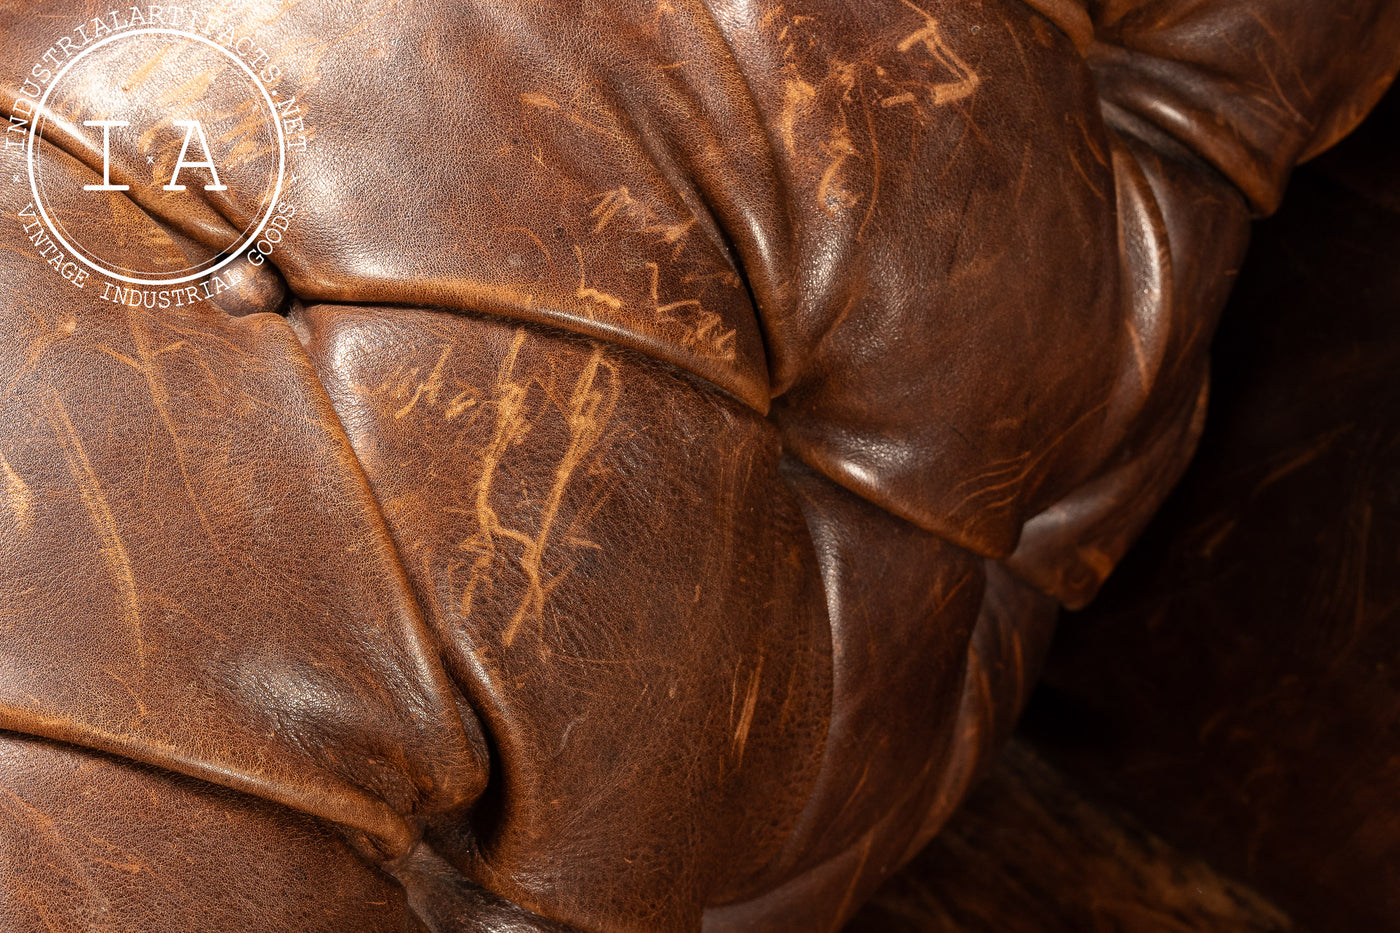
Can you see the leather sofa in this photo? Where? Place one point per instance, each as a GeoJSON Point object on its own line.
{"type": "Point", "coordinates": [635, 488]}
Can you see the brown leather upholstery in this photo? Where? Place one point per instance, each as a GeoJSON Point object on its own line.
{"type": "Point", "coordinates": [1236, 683]}
{"type": "Point", "coordinates": [636, 491]}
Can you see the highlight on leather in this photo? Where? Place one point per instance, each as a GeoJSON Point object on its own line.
{"type": "Point", "coordinates": [528, 465]}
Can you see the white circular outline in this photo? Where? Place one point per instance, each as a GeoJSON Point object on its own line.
{"type": "Point", "coordinates": [43, 109]}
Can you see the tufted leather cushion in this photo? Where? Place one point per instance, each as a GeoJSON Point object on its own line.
{"type": "Point", "coordinates": [635, 491]}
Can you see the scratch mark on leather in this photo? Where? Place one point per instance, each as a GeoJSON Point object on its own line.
{"type": "Point", "coordinates": [539, 100]}
{"type": "Point", "coordinates": [39, 345]}
{"type": "Point", "coordinates": [1019, 476]}
{"type": "Point", "coordinates": [839, 147]}
{"type": "Point", "coordinates": [590, 412]}
{"type": "Point", "coordinates": [511, 425]}
{"type": "Point", "coordinates": [798, 96]}
{"type": "Point", "coordinates": [931, 38]}
{"type": "Point", "coordinates": [240, 143]}
{"type": "Point", "coordinates": [460, 402]}
{"type": "Point", "coordinates": [741, 734]}
{"type": "Point", "coordinates": [1016, 467]}
{"type": "Point", "coordinates": [140, 706]}
{"type": "Point", "coordinates": [646, 220]}
{"type": "Point", "coordinates": [853, 797]}
{"type": "Point", "coordinates": [593, 294]}
{"type": "Point", "coordinates": [104, 524]}
{"type": "Point", "coordinates": [310, 50]}
{"type": "Point", "coordinates": [1079, 170]}
{"type": "Point", "coordinates": [160, 400]}
{"type": "Point", "coordinates": [64, 839]}
{"type": "Point", "coordinates": [429, 388]}
{"type": "Point", "coordinates": [707, 335]}
{"type": "Point", "coordinates": [896, 100]}
{"type": "Point", "coordinates": [608, 206]}
{"type": "Point", "coordinates": [1094, 145]}
{"type": "Point", "coordinates": [1018, 658]}
{"type": "Point", "coordinates": [944, 594]}
{"type": "Point", "coordinates": [614, 135]}
{"type": "Point", "coordinates": [39, 826]}
{"type": "Point", "coordinates": [663, 8]}
{"type": "Point", "coordinates": [534, 238]}
{"type": "Point", "coordinates": [17, 495]}
{"type": "Point", "coordinates": [1279, 102]}
{"type": "Point", "coordinates": [1301, 459]}
{"type": "Point", "coordinates": [866, 844]}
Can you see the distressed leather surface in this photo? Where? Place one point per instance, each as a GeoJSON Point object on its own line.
{"type": "Point", "coordinates": [636, 493]}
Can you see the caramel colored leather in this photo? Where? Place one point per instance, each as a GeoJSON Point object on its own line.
{"type": "Point", "coordinates": [636, 494]}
